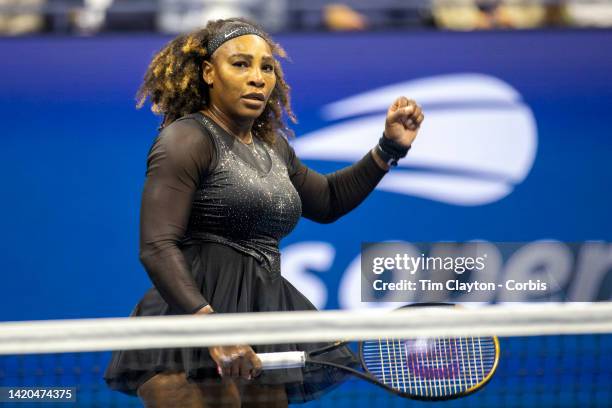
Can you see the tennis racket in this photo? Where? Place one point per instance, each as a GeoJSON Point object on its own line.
{"type": "Point", "coordinates": [420, 368]}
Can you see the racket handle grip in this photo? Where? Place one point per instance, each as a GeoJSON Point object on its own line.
{"type": "Point", "coordinates": [288, 359]}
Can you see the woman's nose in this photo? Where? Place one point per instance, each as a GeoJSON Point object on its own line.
{"type": "Point", "coordinates": [256, 78]}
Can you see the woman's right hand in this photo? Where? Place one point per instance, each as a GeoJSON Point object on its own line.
{"type": "Point", "coordinates": [233, 361]}
{"type": "Point", "coordinates": [236, 361]}
{"type": "Point", "coordinates": [205, 310]}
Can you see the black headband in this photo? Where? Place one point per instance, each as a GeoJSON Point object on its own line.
{"type": "Point", "coordinates": [230, 32]}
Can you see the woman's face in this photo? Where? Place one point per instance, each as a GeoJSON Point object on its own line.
{"type": "Point", "coordinates": [242, 76]}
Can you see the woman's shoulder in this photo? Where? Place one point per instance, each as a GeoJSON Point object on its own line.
{"type": "Point", "coordinates": [188, 130]}
{"type": "Point", "coordinates": [185, 139]}
{"type": "Point", "coordinates": [283, 147]}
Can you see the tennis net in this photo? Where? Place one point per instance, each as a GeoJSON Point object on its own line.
{"type": "Point", "coordinates": [549, 355]}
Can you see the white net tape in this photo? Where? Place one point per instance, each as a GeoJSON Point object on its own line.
{"type": "Point", "coordinates": [290, 327]}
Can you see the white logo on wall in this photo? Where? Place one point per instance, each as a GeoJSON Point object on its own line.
{"type": "Point", "coordinates": [478, 141]}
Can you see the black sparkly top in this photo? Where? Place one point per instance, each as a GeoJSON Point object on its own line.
{"type": "Point", "coordinates": [204, 184]}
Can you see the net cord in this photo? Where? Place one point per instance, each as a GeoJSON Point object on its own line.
{"type": "Point", "coordinates": [86, 335]}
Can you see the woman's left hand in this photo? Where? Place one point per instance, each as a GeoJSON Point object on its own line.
{"type": "Point", "coordinates": [404, 118]}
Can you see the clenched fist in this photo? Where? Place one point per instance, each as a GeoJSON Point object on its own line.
{"type": "Point", "coordinates": [403, 120]}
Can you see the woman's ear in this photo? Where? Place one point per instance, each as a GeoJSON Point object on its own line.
{"type": "Point", "coordinates": [208, 73]}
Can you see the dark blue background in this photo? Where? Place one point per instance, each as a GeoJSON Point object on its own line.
{"type": "Point", "coordinates": [74, 148]}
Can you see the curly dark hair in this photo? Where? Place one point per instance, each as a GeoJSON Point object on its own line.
{"type": "Point", "coordinates": [174, 83]}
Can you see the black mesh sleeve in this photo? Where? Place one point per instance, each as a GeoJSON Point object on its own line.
{"type": "Point", "coordinates": [179, 157]}
{"type": "Point", "coordinates": [325, 198]}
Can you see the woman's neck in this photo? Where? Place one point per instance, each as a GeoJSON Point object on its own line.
{"type": "Point", "coordinates": [239, 129]}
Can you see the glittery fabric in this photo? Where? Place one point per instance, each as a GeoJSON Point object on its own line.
{"type": "Point", "coordinates": [213, 213]}
{"type": "Point", "coordinates": [239, 205]}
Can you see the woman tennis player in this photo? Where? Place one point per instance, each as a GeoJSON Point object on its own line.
{"type": "Point", "coordinates": [222, 188]}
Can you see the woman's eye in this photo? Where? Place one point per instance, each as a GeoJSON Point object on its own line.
{"type": "Point", "coordinates": [268, 68]}
{"type": "Point", "coordinates": [240, 64]}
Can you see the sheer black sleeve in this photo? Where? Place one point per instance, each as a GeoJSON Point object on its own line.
{"type": "Point", "coordinates": [179, 157]}
{"type": "Point", "coordinates": [325, 198]}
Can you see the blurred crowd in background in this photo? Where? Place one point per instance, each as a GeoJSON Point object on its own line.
{"type": "Point", "coordinates": [87, 17]}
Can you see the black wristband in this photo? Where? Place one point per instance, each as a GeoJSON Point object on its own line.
{"type": "Point", "coordinates": [390, 151]}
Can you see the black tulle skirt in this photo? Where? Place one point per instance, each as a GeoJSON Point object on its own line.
{"type": "Point", "coordinates": [232, 282]}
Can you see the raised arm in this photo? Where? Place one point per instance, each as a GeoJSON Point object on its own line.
{"type": "Point", "coordinates": [179, 157]}
{"type": "Point", "coordinates": [327, 198]}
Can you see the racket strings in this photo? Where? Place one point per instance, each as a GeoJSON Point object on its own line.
{"type": "Point", "coordinates": [430, 367]}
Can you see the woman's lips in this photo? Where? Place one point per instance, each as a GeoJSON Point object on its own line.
{"type": "Point", "coordinates": [252, 102]}
{"type": "Point", "coordinates": [255, 95]}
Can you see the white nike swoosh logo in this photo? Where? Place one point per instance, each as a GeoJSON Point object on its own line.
{"type": "Point", "coordinates": [230, 33]}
